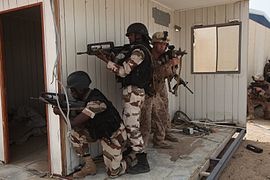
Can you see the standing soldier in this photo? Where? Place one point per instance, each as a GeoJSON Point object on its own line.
{"type": "Point", "coordinates": [155, 110]}
{"type": "Point", "coordinates": [136, 76]}
{"type": "Point", "coordinates": [98, 120]}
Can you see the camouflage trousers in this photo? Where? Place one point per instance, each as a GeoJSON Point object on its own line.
{"type": "Point", "coordinates": [133, 98]}
{"type": "Point", "coordinates": [154, 117]}
{"type": "Point", "coordinates": [112, 149]}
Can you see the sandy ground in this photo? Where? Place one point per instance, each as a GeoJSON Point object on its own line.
{"type": "Point", "coordinates": [246, 164]}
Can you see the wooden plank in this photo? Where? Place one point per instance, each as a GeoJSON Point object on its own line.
{"type": "Point", "coordinates": [80, 34]}
{"type": "Point", "coordinates": [219, 78]}
{"type": "Point", "coordinates": [198, 86]}
{"type": "Point", "coordinates": [210, 108]}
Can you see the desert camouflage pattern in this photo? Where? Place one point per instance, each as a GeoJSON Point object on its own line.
{"type": "Point", "coordinates": [155, 116]}
{"type": "Point", "coordinates": [79, 137]}
{"type": "Point", "coordinates": [258, 94]}
{"type": "Point", "coordinates": [133, 98]}
{"type": "Point", "coordinates": [80, 141]}
{"type": "Point", "coordinates": [135, 59]}
{"type": "Point", "coordinates": [112, 148]}
{"type": "Point", "coordinates": [112, 152]}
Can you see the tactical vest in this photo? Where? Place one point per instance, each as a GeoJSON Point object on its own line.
{"type": "Point", "coordinates": [104, 124]}
{"type": "Point", "coordinates": [140, 76]}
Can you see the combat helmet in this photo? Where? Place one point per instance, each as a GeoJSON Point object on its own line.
{"type": "Point", "coordinates": [160, 37]}
{"type": "Point", "coordinates": [78, 80]}
{"type": "Point", "coordinates": [138, 28]}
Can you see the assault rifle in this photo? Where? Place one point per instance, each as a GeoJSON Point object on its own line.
{"type": "Point", "coordinates": [51, 98]}
{"type": "Point", "coordinates": [108, 49]}
{"type": "Point", "coordinates": [168, 55]}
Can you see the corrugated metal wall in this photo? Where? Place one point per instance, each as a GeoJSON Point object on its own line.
{"type": "Point", "coordinates": [93, 21]}
{"type": "Point", "coordinates": [90, 21]}
{"type": "Point", "coordinates": [216, 96]}
{"type": "Point", "coordinates": [258, 49]}
{"type": "Point", "coordinates": [23, 59]}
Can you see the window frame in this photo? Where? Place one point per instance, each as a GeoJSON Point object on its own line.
{"type": "Point", "coordinates": [235, 23]}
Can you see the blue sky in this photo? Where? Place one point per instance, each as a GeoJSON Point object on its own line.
{"type": "Point", "coordinates": [262, 5]}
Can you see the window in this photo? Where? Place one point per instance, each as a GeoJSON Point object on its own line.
{"type": "Point", "coordinates": [216, 48]}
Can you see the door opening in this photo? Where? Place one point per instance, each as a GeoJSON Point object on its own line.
{"type": "Point", "coordinates": [24, 78]}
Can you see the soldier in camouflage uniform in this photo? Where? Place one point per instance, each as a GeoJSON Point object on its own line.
{"type": "Point", "coordinates": [99, 120]}
{"type": "Point", "coordinates": [136, 75]}
{"type": "Point", "coordinates": [266, 71]}
{"type": "Point", "coordinates": [155, 110]}
{"type": "Point", "coordinates": [258, 94]}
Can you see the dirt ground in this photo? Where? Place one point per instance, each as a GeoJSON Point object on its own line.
{"type": "Point", "coordinates": [248, 165]}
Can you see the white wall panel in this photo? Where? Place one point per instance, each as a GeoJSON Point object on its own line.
{"type": "Point", "coordinates": [216, 96]}
{"type": "Point", "coordinates": [259, 48]}
{"type": "Point", "coordinates": [51, 56]}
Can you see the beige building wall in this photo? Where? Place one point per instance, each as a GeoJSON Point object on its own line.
{"type": "Point", "coordinates": [258, 48]}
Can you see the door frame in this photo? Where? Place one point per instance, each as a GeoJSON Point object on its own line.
{"type": "Point", "coordinates": [3, 97]}
{"type": "Point", "coordinates": [6, 148]}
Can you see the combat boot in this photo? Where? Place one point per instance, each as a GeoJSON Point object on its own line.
{"type": "Point", "coordinates": [162, 145]}
{"type": "Point", "coordinates": [89, 168]}
{"type": "Point", "coordinates": [170, 137]}
{"type": "Point", "coordinates": [142, 165]}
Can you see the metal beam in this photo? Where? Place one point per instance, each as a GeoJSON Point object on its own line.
{"type": "Point", "coordinates": [227, 156]}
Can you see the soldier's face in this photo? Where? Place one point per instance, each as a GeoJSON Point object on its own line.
{"type": "Point", "coordinates": [160, 47]}
{"type": "Point", "coordinates": [131, 37]}
{"type": "Point", "coordinates": [74, 93]}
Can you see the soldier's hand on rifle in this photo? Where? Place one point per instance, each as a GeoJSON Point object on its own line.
{"type": "Point", "coordinates": [174, 61]}
{"type": "Point", "coordinates": [56, 111]}
{"type": "Point", "coordinates": [104, 56]}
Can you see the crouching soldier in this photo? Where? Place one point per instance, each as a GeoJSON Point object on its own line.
{"type": "Point", "coordinates": [99, 120]}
